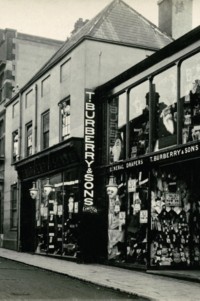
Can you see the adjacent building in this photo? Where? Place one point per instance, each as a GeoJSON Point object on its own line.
{"type": "Point", "coordinates": [21, 55]}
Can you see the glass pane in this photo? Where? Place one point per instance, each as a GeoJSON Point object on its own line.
{"type": "Point", "coordinates": [46, 122]}
{"type": "Point", "coordinates": [190, 98]}
{"type": "Point", "coordinates": [166, 129]}
{"type": "Point", "coordinates": [117, 127]}
{"type": "Point", "coordinates": [139, 120]}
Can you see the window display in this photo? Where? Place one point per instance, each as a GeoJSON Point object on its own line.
{"type": "Point", "coordinates": [117, 122]}
{"type": "Point", "coordinates": [116, 219]}
{"type": "Point", "coordinates": [139, 120]}
{"type": "Point", "coordinates": [190, 99]}
{"type": "Point", "coordinates": [58, 218]}
{"type": "Point", "coordinates": [137, 217]}
{"type": "Point", "coordinates": [166, 87]}
{"type": "Point", "coordinates": [173, 227]}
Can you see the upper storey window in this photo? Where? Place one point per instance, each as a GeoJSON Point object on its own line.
{"type": "Point", "coordinates": [45, 88]}
{"type": "Point", "coordinates": [117, 127]}
{"type": "Point", "coordinates": [65, 70]}
{"type": "Point", "coordinates": [139, 120]}
{"type": "Point", "coordinates": [166, 116]}
{"type": "Point", "coordinates": [190, 98]}
{"type": "Point", "coordinates": [29, 100]}
{"type": "Point", "coordinates": [29, 139]}
{"type": "Point", "coordinates": [65, 112]}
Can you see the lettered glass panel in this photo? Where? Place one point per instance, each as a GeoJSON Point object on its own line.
{"type": "Point", "coordinates": [190, 98]}
{"type": "Point", "coordinates": [139, 120]}
{"type": "Point", "coordinates": [166, 107]}
{"type": "Point", "coordinates": [117, 128]}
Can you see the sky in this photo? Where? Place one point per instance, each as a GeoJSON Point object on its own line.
{"type": "Point", "coordinates": [56, 18]}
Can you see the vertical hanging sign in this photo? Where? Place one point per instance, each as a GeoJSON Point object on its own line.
{"type": "Point", "coordinates": [89, 153]}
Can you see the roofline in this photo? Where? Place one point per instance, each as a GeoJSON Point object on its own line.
{"type": "Point", "coordinates": [170, 49]}
{"type": "Point", "coordinates": [39, 39]}
{"type": "Point", "coordinates": [42, 71]}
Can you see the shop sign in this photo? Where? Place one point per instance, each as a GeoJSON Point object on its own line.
{"type": "Point", "coordinates": [177, 153]}
{"type": "Point", "coordinates": [172, 199]}
{"type": "Point", "coordinates": [143, 216]}
{"type": "Point", "coordinates": [89, 147]}
{"type": "Point", "coordinates": [134, 163]}
{"type": "Point", "coordinates": [117, 167]}
{"type": "Point", "coordinates": [113, 120]}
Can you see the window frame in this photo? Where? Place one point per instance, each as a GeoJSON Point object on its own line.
{"type": "Point", "coordinates": [28, 126]}
{"type": "Point", "coordinates": [67, 62]}
{"type": "Point", "coordinates": [62, 136]}
{"type": "Point", "coordinates": [13, 207]}
{"type": "Point", "coordinates": [46, 79]}
{"type": "Point", "coordinates": [43, 131]}
{"type": "Point", "coordinates": [14, 134]}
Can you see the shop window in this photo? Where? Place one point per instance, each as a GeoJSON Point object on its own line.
{"type": "Point", "coordinates": [29, 139]}
{"type": "Point", "coordinates": [13, 208]}
{"type": "Point", "coordinates": [139, 120]}
{"type": "Point", "coordinates": [137, 217]}
{"type": "Point", "coordinates": [45, 86]}
{"type": "Point", "coordinates": [65, 118]}
{"type": "Point", "coordinates": [166, 117]}
{"type": "Point", "coordinates": [2, 138]}
{"type": "Point", "coordinates": [45, 130]}
{"type": "Point", "coordinates": [175, 211]}
{"type": "Point", "coordinates": [116, 218]}
{"type": "Point", "coordinates": [58, 218]}
{"type": "Point", "coordinates": [29, 99]}
{"type": "Point", "coordinates": [190, 98]}
{"type": "Point", "coordinates": [15, 146]}
{"type": "Point", "coordinates": [15, 109]}
{"type": "Point", "coordinates": [117, 127]}
{"type": "Point", "coordinates": [65, 71]}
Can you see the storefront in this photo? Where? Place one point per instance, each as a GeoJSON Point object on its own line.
{"type": "Point", "coordinates": [150, 158]}
{"type": "Point", "coordinates": [50, 186]}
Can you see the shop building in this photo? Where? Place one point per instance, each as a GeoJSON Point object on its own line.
{"type": "Point", "coordinates": [50, 206]}
{"type": "Point", "coordinates": [149, 159]}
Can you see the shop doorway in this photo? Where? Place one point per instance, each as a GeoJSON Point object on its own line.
{"type": "Point", "coordinates": [27, 223]}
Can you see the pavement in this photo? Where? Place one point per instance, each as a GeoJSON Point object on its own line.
{"type": "Point", "coordinates": [154, 285]}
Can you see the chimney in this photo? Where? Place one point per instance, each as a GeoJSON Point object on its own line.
{"type": "Point", "coordinates": [79, 23]}
{"type": "Point", "coordinates": [175, 17]}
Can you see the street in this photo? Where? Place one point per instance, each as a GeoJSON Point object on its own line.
{"type": "Point", "coordinates": [22, 282]}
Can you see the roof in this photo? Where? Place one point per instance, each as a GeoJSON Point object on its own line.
{"type": "Point", "coordinates": [121, 24]}
{"type": "Point", "coordinates": [184, 41]}
{"type": "Point", "coordinates": [117, 23]}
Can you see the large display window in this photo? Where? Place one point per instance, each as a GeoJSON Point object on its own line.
{"type": "Point", "coordinates": [166, 88]}
{"type": "Point", "coordinates": [139, 120]}
{"type": "Point", "coordinates": [57, 215]}
{"type": "Point", "coordinates": [117, 127]}
{"type": "Point", "coordinates": [137, 217]}
{"type": "Point", "coordinates": [116, 218]}
{"type": "Point", "coordinates": [175, 212]}
{"type": "Point", "coordinates": [190, 98]}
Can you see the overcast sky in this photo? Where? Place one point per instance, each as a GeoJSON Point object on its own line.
{"type": "Point", "coordinates": [55, 18]}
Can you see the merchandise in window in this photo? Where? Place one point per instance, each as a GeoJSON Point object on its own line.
{"type": "Point", "coordinates": [116, 218]}
{"type": "Point", "coordinates": [29, 140]}
{"type": "Point", "coordinates": [65, 119]}
{"type": "Point", "coordinates": [190, 99]}
{"type": "Point", "coordinates": [117, 128]}
{"type": "Point", "coordinates": [15, 146]}
{"type": "Point", "coordinates": [137, 217]}
{"type": "Point", "coordinates": [58, 218]}
{"type": "Point", "coordinates": [171, 208]}
{"type": "Point", "coordinates": [139, 120]}
{"type": "Point", "coordinates": [166, 119]}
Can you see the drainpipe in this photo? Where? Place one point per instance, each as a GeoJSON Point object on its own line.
{"type": "Point", "coordinates": [19, 182]}
{"type": "Point", "coordinates": [36, 121]}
